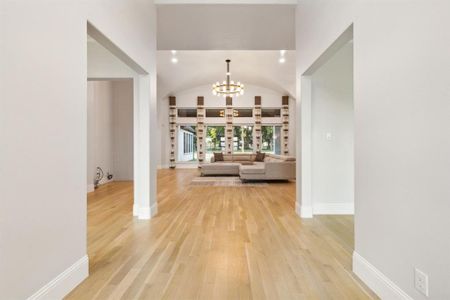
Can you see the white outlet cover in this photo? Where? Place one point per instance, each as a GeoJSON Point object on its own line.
{"type": "Point", "coordinates": [421, 281]}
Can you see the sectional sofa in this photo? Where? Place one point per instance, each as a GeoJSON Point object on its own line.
{"type": "Point", "coordinates": [274, 167]}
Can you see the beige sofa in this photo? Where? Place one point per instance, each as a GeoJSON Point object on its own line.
{"type": "Point", "coordinates": [274, 167]}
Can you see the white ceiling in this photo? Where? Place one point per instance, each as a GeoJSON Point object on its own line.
{"type": "Point", "coordinates": [197, 68]}
{"type": "Point", "coordinates": [293, 2]}
{"type": "Point", "coordinates": [226, 27]}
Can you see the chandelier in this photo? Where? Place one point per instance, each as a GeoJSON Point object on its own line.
{"type": "Point", "coordinates": [228, 88]}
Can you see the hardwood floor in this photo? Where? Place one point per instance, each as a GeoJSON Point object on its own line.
{"type": "Point", "coordinates": [215, 243]}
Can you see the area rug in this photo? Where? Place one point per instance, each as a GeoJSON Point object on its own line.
{"type": "Point", "coordinates": [225, 181]}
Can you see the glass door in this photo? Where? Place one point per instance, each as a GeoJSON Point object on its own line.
{"type": "Point", "coordinates": [187, 144]}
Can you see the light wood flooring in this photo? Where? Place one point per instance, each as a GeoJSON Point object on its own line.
{"type": "Point", "coordinates": [215, 243]}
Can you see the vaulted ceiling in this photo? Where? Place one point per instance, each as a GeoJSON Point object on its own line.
{"type": "Point", "coordinates": [197, 68]}
{"type": "Point", "coordinates": [226, 27]}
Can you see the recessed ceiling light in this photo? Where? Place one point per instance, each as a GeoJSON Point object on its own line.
{"type": "Point", "coordinates": [282, 52]}
{"type": "Point", "coordinates": [174, 52]}
{"type": "Point", "coordinates": [174, 60]}
{"type": "Point", "coordinates": [282, 60]}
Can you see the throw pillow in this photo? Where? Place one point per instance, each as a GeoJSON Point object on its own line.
{"type": "Point", "coordinates": [218, 156]}
{"type": "Point", "coordinates": [260, 156]}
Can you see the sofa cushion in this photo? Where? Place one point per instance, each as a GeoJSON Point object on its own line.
{"type": "Point", "coordinates": [220, 168]}
{"type": "Point", "coordinates": [280, 157]}
{"type": "Point", "coordinates": [242, 157]}
{"type": "Point", "coordinates": [252, 169]}
{"type": "Point", "coordinates": [228, 157]}
{"type": "Point", "coordinates": [218, 156]}
{"type": "Point", "coordinates": [269, 158]}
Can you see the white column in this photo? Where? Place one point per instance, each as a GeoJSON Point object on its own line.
{"type": "Point", "coordinates": [303, 149]}
{"type": "Point", "coordinates": [144, 179]}
{"type": "Point", "coordinates": [136, 146]}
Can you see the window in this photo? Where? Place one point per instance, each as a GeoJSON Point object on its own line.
{"type": "Point", "coordinates": [243, 138]}
{"type": "Point", "coordinates": [215, 140]}
{"type": "Point", "coordinates": [270, 112]}
{"type": "Point", "coordinates": [271, 139]}
{"type": "Point", "coordinates": [187, 112]}
{"type": "Point", "coordinates": [243, 113]}
{"type": "Point", "coordinates": [214, 113]}
{"type": "Point", "coordinates": [187, 143]}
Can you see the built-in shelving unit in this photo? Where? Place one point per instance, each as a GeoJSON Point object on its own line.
{"type": "Point", "coordinates": [201, 130]}
{"type": "Point", "coordinates": [257, 125]}
{"type": "Point", "coordinates": [229, 125]}
{"type": "Point", "coordinates": [285, 125]}
{"type": "Point", "coordinates": [172, 130]}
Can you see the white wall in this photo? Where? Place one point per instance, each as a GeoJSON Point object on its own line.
{"type": "Point", "coordinates": [402, 114]}
{"type": "Point", "coordinates": [332, 135]}
{"type": "Point", "coordinates": [226, 27]}
{"type": "Point", "coordinates": [43, 123]}
{"type": "Point", "coordinates": [100, 129]}
{"type": "Point", "coordinates": [110, 130]}
{"type": "Point", "coordinates": [101, 63]}
{"type": "Point", "coordinates": [188, 99]}
{"type": "Point", "coordinates": [122, 91]}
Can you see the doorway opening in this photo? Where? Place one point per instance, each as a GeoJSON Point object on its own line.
{"type": "Point", "coordinates": [327, 110]}
{"type": "Point", "coordinates": [187, 144]}
{"type": "Point", "coordinates": [109, 132]}
{"type": "Point", "coordinates": [120, 129]}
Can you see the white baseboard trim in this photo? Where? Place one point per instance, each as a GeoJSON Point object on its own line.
{"type": "Point", "coordinates": [163, 166]}
{"type": "Point", "coordinates": [154, 209]}
{"type": "Point", "coordinates": [65, 282]}
{"type": "Point", "coordinates": [144, 213]}
{"type": "Point", "coordinates": [135, 210]}
{"type": "Point", "coordinates": [333, 208]}
{"type": "Point", "coordinates": [305, 212]}
{"type": "Point", "coordinates": [377, 281]}
{"type": "Point", "coordinates": [90, 188]}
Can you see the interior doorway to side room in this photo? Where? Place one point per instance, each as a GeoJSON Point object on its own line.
{"type": "Point", "coordinates": [131, 92]}
{"type": "Point", "coordinates": [109, 132]}
{"type": "Point", "coordinates": [327, 114]}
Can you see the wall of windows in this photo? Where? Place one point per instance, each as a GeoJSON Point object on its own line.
{"type": "Point", "coordinates": [243, 138]}
{"type": "Point", "coordinates": [215, 130]}
{"type": "Point", "coordinates": [271, 139]}
{"type": "Point", "coordinates": [215, 140]}
{"type": "Point", "coordinates": [187, 143]}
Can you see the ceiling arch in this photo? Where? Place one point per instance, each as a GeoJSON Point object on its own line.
{"type": "Point", "coordinates": [197, 68]}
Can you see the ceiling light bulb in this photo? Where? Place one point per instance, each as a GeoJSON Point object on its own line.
{"type": "Point", "coordinates": [174, 60]}
{"type": "Point", "coordinates": [282, 52]}
{"type": "Point", "coordinates": [174, 52]}
{"type": "Point", "coordinates": [282, 60]}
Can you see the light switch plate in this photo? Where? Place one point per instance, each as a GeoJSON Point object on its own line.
{"type": "Point", "coordinates": [421, 281]}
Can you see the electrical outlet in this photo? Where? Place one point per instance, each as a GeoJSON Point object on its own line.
{"type": "Point", "coordinates": [421, 281]}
